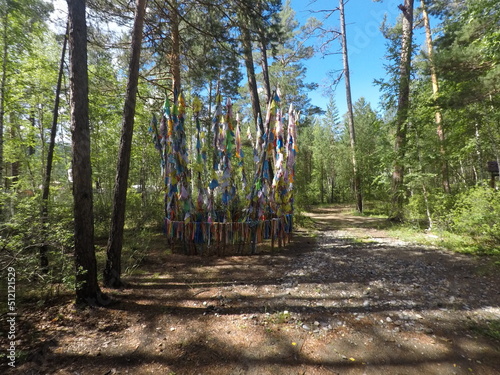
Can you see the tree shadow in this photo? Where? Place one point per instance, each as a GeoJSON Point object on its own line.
{"type": "Point", "coordinates": [318, 307]}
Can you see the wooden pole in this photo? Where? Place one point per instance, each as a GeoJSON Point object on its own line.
{"type": "Point", "coordinates": [272, 234]}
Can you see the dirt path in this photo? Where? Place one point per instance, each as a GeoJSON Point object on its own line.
{"type": "Point", "coordinates": [324, 305]}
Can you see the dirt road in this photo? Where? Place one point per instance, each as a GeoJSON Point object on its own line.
{"type": "Point", "coordinates": [326, 304]}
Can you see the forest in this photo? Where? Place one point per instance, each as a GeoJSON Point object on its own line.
{"type": "Point", "coordinates": [81, 177]}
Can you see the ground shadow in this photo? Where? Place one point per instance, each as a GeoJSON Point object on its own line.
{"type": "Point", "coordinates": [320, 306]}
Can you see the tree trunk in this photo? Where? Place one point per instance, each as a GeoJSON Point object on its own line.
{"type": "Point", "coordinates": [332, 190]}
{"type": "Point", "coordinates": [44, 261]}
{"type": "Point", "coordinates": [15, 165]}
{"type": "Point", "coordinates": [265, 67]}
{"type": "Point", "coordinates": [350, 113]}
{"type": "Point", "coordinates": [424, 189]}
{"type": "Point", "coordinates": [252, 82]}
{"type": "Point", "coordinates": [87, 288]}
{"type": "Point", "coordinates": [322, 184]}
{"type": "Point", "coordinates": [112, 272]}
{"type": "Point", "coordinates": [175, 56]}
{"type": "Point", "coordinates": [435, 91]}
{"type": "Point", "coordinates": [3, 83]}
{"type": "Point", "coordinates": [398, 194]}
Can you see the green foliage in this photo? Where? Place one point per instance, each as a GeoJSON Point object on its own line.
{"type": "Point", "coordinates": [415, 211]}
{"type": "Point", "coordinates": [466, 222]}
{"type": "Point", "coordinates": [22, 236]}
{"type": "Point", "coordinates": [280, 317]}
{"type": "Point", "coordinates": [490, 328]}
{"type": "Point", "coordinates": [145, 208]}
{"type": "Point", "coordinates": [287, 69]}
{"type": "Point", "coordinates": [477, 214]}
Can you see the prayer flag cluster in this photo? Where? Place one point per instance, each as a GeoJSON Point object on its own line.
{"type": "Point", "coordinates": [225, 201]}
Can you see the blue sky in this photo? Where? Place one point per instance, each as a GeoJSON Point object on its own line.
{"type": "Point", "coordinates": [366, 48]}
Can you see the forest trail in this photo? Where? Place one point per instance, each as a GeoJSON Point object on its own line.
{"type": "Point", "coordinates": [348, 300]}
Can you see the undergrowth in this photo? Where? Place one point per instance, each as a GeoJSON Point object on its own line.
{"type": "Point", "coordinates": [490, 329]}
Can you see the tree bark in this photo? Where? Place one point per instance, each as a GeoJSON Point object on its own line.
{"type": "Point", "coordinates": [175, 56]}
{"type": "Point", "coordinates": [398, 194]}
{"type": "Point", "coordinates": [3, 83]}
{"type": "Point", "coordinates": [252, 82]}
{"type": "Point", "coordinates": [15, 165]}
{"type": "Point", "coordinates": [265, 66]}
{"type": "Point", "coordinates": [112, 272]}
{"type": "Point", "coordinates": [44, 261]}
{"type": "Point", "coordinates": [322, 184]}
{"type": "Point", "coordinates": [87, 288]}
{"type": "Point", "coordinates": [350, 112]}
{"type": "Point", "coordinates": [435, 91]}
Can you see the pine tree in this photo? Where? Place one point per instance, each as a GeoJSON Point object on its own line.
{"type": "Point", "coordinates": [87, 288]}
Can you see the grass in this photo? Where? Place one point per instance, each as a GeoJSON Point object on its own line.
{"type": "Point", "coordinates": [304, 221]}
{"type": "Point", "coordinates": [451, 241]}
{"type": "Point", "coordinates": [280, 317]}
{"type": "Point", "coordinates": [490, 329]}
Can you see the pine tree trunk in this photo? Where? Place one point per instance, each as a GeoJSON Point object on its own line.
{"type": "Point", "coordinates": [15, 166]}
{"type": "Point", "coordinates": [175, 56]}
{"type": "Point", "coordinates": [87, 288]}
{"type": "Point", "coordinates": [332, 190]}
{"type": "Point", "coordinates": [435, 91]}
{"type": "Point", "coordinates": [3, 83]}
{"type": "Point", "coordinates": [112, 272]}
{"type": "Point", "coordinates": [398, 192]}
{"type": "Point", "coordinates": [252, 82]}
{"type": "Point", "coordinates": [322, 184]}
{"type": "Point", "coordinates": [350, 113]}
{"type": "Point", "coordinates": [265, 67]}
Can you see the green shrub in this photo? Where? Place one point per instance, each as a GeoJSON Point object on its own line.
{"type": "Point", "coordinates": [21, 237]}
{"type": "Point", "coordinates": [477, 214]}
{"type": "Point", "coordinates": [415, 211]}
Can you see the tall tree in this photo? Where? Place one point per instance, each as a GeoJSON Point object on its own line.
{"type": "Point", "coordinates": [87, 287]}
{"type": "Point", "coordinates": [246, 42]}
{"type": "Point", "coordinates": [350, 114]}
{"type": "Point", "coordinates": [175, 53]}
{"type": "Point", "coordinates": [287, 70]}
{"type": "Point", "coordinates": [403, 104]}
{"type": "Point", "coordinates": [112, 272]}
{"type": "Point", "coordinates": [467, 60]}
{"type": "Point", "coordinates": [44, 261]}
{"type": "Point", "coordinates": [19, 23]}
{"type": "Point", "coordinates": [265, 65]}
{"type": "Point", "coordinates": [438, 117]}
{"type": "Point", "coordinates": [3, 83]}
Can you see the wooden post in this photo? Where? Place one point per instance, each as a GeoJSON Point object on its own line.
{"type": "Point", "coordinates": [493, 169]}
{"type": "Point", "coordinates": [280, 233]}
{"type": "Point", "coordinates": [217, 237]}
{"type": "Point", "coordinates": [272, 234]}
{"type": "Point", "coordinates": [253, 235]}
{"type": "Point", "coordinates": [172, 239]}
{"type": "Point", "coordinates": [224, 238]}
